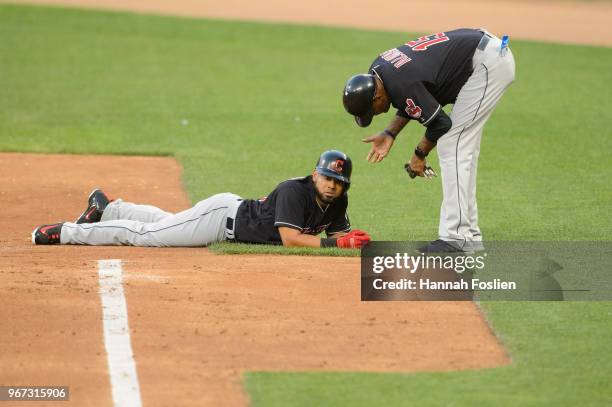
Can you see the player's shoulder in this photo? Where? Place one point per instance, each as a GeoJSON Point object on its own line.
{"type": "Point", "coordinates": [297, 184]}
{"type": "Point", "coordinates": [342, 201]}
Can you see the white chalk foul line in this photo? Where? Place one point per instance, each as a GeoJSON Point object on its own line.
{"type": "Point", "coordinates": [121, 365]}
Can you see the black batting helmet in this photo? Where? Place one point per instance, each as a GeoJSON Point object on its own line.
{"type": "Point", "coordinates": [336, 164]}
{"type": "Point", "coordinates": [358, 95]}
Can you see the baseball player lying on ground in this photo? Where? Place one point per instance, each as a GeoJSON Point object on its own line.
{"type": "Point", "coordinates": [292, 215]}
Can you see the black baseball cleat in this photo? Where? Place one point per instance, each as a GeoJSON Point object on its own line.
{"type": "Point", "coordinates": [440, 246]}
{"type": "Point", "coordinates": [97, 202]}
{"type": "Point", "coordinates": [47, 234]}
{"type": "Point", "coordinates": [474, 246]}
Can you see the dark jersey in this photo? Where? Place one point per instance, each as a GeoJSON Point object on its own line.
{"type": "Point", "coordinates": [292, 204]}
{"type": "Point", "coordinates": [427, 73]}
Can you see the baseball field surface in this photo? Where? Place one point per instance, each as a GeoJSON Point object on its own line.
{"type": "Point", "coordinates": [167, 104]}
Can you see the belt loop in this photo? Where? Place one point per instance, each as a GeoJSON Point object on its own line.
{"type": "Point", "coordinates": [230, 222]}
{"type": "Point", "coordinates": [484, 41]}
{"type": "Point", "coordinates": [229, 229]}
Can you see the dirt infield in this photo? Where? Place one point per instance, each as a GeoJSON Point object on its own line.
{"type": "Point", "coordinates": [577, 22]}
{"type": "Point", "coordinates": [197, 320]}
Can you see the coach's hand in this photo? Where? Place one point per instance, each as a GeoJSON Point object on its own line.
{"type": "Point", "coordinates": [355, 239]}
{"type": "Point", "coordinates": [419, 168]}
{"type": "Point", "coordinates": [381, 144]}
{"type": "Point", "coordinates": [417, 165]}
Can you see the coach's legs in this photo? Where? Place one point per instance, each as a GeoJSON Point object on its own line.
{"type": "Point", "coordinates": [501, 75]}
{"type": "Point", "coordinates": [459, 149]}
{"type": "Point", "coordinates": [198, 226]}
{"type": "Point", "coordinates": [456, 156]}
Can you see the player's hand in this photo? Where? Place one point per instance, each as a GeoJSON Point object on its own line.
{"type": "Point", "coordinates": [355, 239]}
{"type": "Point", "coordinates": [381, 144]}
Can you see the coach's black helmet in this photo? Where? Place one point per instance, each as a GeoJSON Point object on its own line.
{"type": "Point", "coordinates": [358, 96]}
{"type": "Point", "coordinates": [336, 164]}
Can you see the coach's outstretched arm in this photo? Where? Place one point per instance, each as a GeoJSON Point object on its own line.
{"type": "Point", "coordinates": [383, 141]}
{"type": "Point", "coordinates": [354, 239]}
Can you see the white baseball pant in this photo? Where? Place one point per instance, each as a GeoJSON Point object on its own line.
{"type": "Point", "coordinates": [125, 223]}
{"type": "Point", "coordinates": [458, 150]}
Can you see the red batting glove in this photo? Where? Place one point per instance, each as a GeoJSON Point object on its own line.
{"type": "Point", "coordinates": [355, 239]}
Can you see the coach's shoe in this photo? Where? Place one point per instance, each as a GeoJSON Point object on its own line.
{"type": "Point", "coordinates": [440, 246]}
{"type": "Point", "coordinates": [47, 234]}
{"type": "Point", "coordinates": [97, 202]}
{"type": "Point", "coordinates": [474, 246]}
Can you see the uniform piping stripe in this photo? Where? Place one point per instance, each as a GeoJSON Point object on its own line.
{"type": "Point", "coordinates": [432, 116]}
{"type": "Point", "coordinates": [98, 226]}
{"type": "Point", "coordinates": [288, 224]}
{"type": "Point", "coordinates": [485, 91]}
{"type": "Point", "coordinates": [457, 175]}
{"type": "Point", "coordinates": [457, 145]}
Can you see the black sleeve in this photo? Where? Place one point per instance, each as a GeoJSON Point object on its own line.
{"type": "Point", "coordinates": [289, 208]}
{"type": "Point", "coordinates": [438, 127]}
{"type": "Point", "coordinates": [341, 222]}
{"type": "Point", "coordinates": [418, 103]}
{"type": "Point", "coordinates": [403, 114]}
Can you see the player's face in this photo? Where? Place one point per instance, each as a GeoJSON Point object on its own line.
{"type": "Point", "coordinates": [328, 188]}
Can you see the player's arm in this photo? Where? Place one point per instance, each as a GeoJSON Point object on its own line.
{"type": "Point", "coordinates": [340, 225]}
{"type": "Point", "coordinates": [438, 127]}
{"type": "Point", "coordinates": [383, 141]}
{"type": "Point", "coordinates": [290, 205]}
{"type": "Point", "coordinates": [294, 238]}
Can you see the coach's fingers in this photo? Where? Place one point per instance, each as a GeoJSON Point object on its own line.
{"type": "Point", "coordinates": [429, 172]}
{"type": "Point", "coordinates": [370, 138]}
{"type": "Point", "coordinates": [374, 156]}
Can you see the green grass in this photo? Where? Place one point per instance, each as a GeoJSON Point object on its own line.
{"type": "Point", "coordinates": [245, 105]}
{"type": "Point", "coordinates": [240, 248]}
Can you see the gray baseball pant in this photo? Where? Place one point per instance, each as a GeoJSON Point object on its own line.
{"type": "Point", "coordinates": [125, 223]}
{"type": "Point", "coordinates": [458, 150]}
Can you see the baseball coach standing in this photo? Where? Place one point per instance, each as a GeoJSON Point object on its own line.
{"type": "Point", "coordinates": [470, 68]}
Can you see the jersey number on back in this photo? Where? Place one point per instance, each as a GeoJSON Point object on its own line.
{"type": "Point", "coordinates": [421, 44]}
